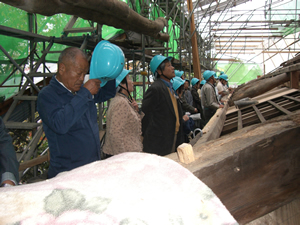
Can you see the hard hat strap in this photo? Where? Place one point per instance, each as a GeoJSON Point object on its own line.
{"type": "Point", "coordinates": [126, 89]}
{"type": "Point", "coordinates": [165, 76]}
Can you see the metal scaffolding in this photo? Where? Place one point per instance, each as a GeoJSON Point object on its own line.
{"type": "Point", "coordinates": [220, 31]}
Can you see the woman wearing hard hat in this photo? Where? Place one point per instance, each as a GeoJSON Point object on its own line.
{"type": "Point", "coordinates": [123, 126]}
{"type": "Point", "coordinates": [187, 122]}
{"type": "Point", "coordinates": [161, 123]}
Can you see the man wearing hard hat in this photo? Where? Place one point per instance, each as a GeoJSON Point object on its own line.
{"type": "Point", "coordinates": [67, 106]}
{"type": "Point", "coordinates": [161, 125]}
{"type": "Point", "coordinates": [222, 86]}
{"type": "Point", "coordinates": [209, 99]}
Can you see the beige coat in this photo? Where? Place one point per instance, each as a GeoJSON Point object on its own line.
{"type": "Point", "coordinates": [123, 127]}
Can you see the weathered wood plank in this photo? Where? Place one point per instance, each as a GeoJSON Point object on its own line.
{"type": "Point", "coordinates": [274, 93]}
{"type": "Point", "coordinates": [240, 123]}
{"type": "Point", "coordinates": [255, 170]}
{"type": "Point", "coordinates": [258, 113]}
{"type": "Point", "coordinates": [214, 127]}
{"type": "Point", "coordinates": [288, 214]}
{"type": "Point", "coordinates": [292, 98]}
{"type": "Point", "coordinates": [261, 113]}
{"type": "Point", "coordinates": [280, 108]}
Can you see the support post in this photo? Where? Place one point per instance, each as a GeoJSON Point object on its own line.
{"type": "Point", "coordinates": [196, 61]}
{"type": "Point", "coordinates": [294, 79]}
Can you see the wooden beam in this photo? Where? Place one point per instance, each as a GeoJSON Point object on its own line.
{"type": "Point", "coordinates": [258, 113]}
{"type": "Point", "coordinates": [249, 118]}
{"type": "Point", "coordinates": [268, 111]}
{"type": "Point", "coordinates": [213, 128]}
{"type": "Point", "coordinates": [258, 87]}
{"type": "Point", "coordinates": [295, 79]}
{"type": "Point", "coordinates": [112, 13]}
{"type": "Point", "coordinates": [287, 214]}
{"type": "Point", "coordinates": [280, 108]}
{"type": "Point", "coordinates": [240, 123]}
{"type": "Point", "coordinates": [196, 60]}
{"type": "Point", "coordinates": [255, 170]}
{"type": "Point", "coordinates": [292, 98]}
{"type": "Point", "coordinates": [34, 162]}
{"type": "Point", "coordinates": [262, 112]}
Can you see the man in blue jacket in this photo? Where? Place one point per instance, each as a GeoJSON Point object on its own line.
{"type": "Point", "coordinates": [69, 115]}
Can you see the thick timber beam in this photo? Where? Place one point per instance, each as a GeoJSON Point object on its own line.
{"type": "Point", "coordinates": [214, 127]}
{"type": "Point", "coordinates": [258, 87]}
{"type": "Point", "coordinates": [254, 170]}
{"type": "Point", "coordinates": [112, 13]}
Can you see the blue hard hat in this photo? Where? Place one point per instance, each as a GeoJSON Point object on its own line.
{"type": "Point", "coordinates": [121, 76]}
{"type": "Point", "coordinates": [194, 81]}
{"type": "Point", "coordinates": [177, 82]}
{"type": "Point", "coordinates": [203, 82]}
{"type": "Point", "coordinates": [222, 72]}
{"type": "Point", "coordinates": [156, 61]}
{"type": "Point", "coordinates": [178, 73]}
{"type": "Point", "coordinates": [224, 77]}
{"type": "Point", "coordinates": [215, 75]}
{"type": "Point", "coordinates": [107, 62]}
{"type": "Point", "coordinates": [208, 74]}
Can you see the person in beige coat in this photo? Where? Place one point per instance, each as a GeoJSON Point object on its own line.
{"type": "Point", "coordinates": [123, 125]}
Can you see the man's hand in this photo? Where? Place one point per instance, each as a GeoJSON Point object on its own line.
{"type": "Point", "coordinates": [222, 93]}
{"type": "Point", "coordinates": [185, 118]}
{"type": "Point", "coordinates": [93, 85]}
{"type": "Point", "coordinates": [221, 106]}
{"type": "Point", "coordinates": [196, 110]}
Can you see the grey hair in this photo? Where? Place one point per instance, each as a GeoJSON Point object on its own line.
{"type": "Point", "coordinates": [69, 54]}
{"type": "Point", "coordinates": [161, 67]}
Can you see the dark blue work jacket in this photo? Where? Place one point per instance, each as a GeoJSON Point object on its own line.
{"type": "Point", "coordinates": [70, 124]}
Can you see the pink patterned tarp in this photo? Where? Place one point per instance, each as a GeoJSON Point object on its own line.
{"type": "Point", "coordinates": [127, 189]}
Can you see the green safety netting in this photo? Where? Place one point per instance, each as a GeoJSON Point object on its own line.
{"type": "Point", "coordinates": [239, 73]}
{"type": "Point", "coordinates": [51, 26]}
